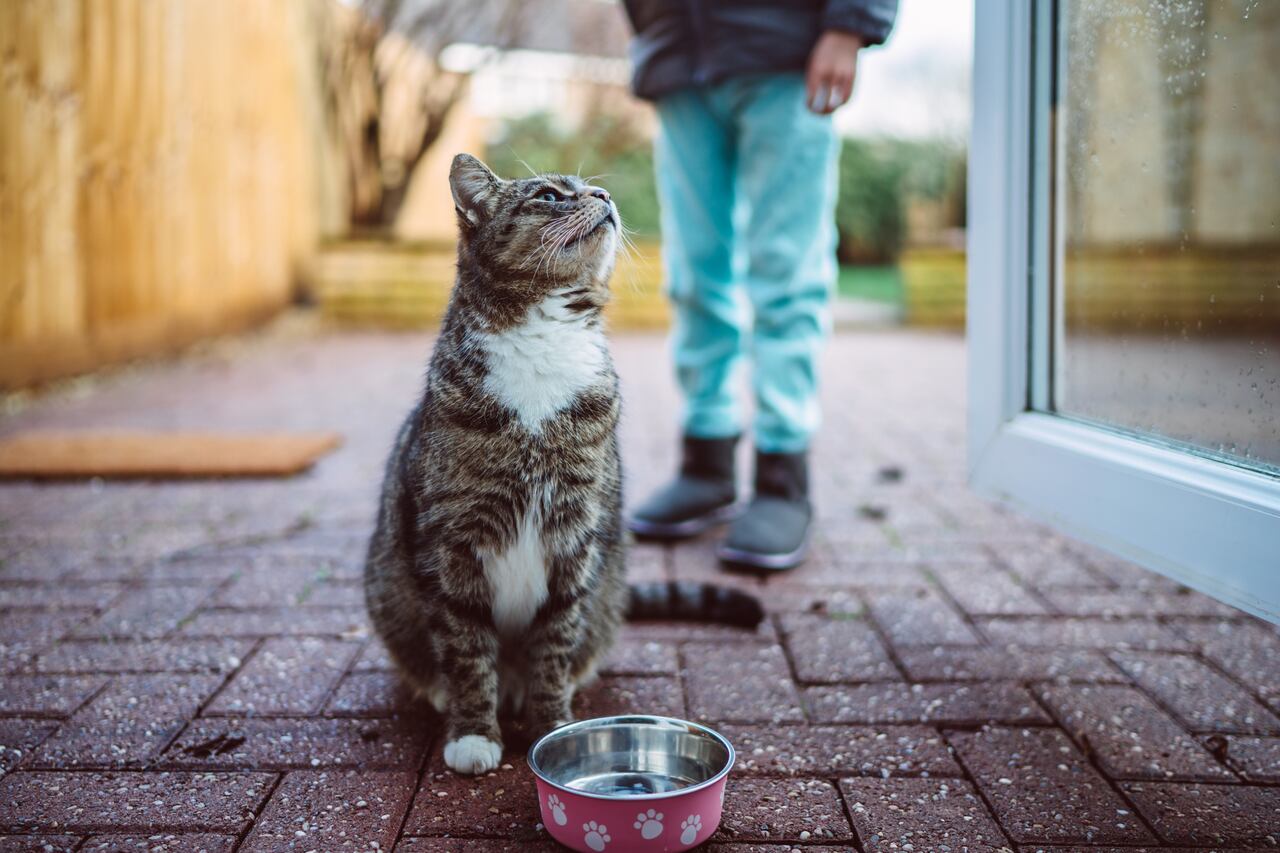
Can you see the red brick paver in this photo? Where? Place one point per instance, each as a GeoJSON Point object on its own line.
{"type": "Point", "coordinates": [1043, 790]}
{"type": "Point", "coordinates": [642, 657]}
{"type": "Point", "coordinates": [38, 843]}
{"type": "Point", "coordinates": [501, 804]}
{"type": "Point", "coordinates": [287, 676]}
{"type": "Point", "coordinates": [831, 650]}
{"type": "Point", "coordinates": [783, 810]}
{"type": "Point", "coordinates": [429, 844]}
{"type": "Point", "coordinates": [924, 703]}
{"type": "Point", "coordinates": [187, 666]}
{"type": "Point", "coordinates": [1083, 633]}
{"type": "Point", "coordinates": [744, 683]}
{"type": "Point", "coordinates": [1210, 814]}
{"type": "Point", "coordinates": [919, 618]}
{"type": "Point", "coordinates": [373, 694]}
{"type": "Point", "coordinates": [841, 750]}
{"type": "Point", "coordinates": [1258, 758]}
{"type": "Point", "coordinates": [146, 656]}
{"type": "Point", "coordinates": [46, 695]}
{"type": "Point", "coordinates": [334, 810]}
{"type": "Point", "coordinates": [127, 724]}
{"type": "Point", "coordinates": [131, 801]}
{"type": "Point", "coordinates": [1250, 652]}
{"type": "Point", "coordinates": [1007, 663]}
{"type": "Point", "coordinates": [1198, 695]}
{"type": "Point", "coordinates": [615, 695]}
{"type": "Point", "coordinates": [161, 842]}
{"type": "Point", "coordinates": [288, 742]}
{"type": "Point", "coordinates": [1129, 735]}
{"type": "Point", "coordinates": [18, 738]}
{"type": "Point", "coordinates": [919, 814]}
{"type": "Point", "coordinates": [145, 612]}
{"type": "Point", "coordinates": [982, 589]}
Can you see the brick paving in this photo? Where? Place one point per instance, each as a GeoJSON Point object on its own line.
{"type": "Point", "coordinates": [187, 666]}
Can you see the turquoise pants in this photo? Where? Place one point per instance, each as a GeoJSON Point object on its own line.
{"type": "Point", "coordinates": [747, 181]}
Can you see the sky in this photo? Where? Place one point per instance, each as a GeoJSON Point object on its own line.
{"type": "Point", "coordinates": [917, 84]}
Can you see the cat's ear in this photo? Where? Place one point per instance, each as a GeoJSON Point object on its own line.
{"type": "Point", "coordinates": [475, 188]}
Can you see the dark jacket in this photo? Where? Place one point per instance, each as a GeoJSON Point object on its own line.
{"type": "Point", "coordinates": [682, 43]}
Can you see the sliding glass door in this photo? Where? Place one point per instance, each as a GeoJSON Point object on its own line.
{"type": "Point", "coordinates": [1125, 279]}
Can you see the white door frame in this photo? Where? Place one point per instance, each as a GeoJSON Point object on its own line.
{"type": "Point", "coordinates": [1208, 524]}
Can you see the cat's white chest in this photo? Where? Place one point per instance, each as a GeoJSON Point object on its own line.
{"type": "Point", "coordinates": [518, 577]}
{"type": "Point", "coordinates": [537, 368]}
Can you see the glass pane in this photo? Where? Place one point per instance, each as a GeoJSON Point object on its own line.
{"type": "Point", "coordinates": [1167, 211]}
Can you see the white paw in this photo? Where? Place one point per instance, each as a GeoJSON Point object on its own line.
{"type": "Point", "coordinates": [650, 824]}
{"type": "Point", "coordinates": [597, 835]}
{"type": "Point", "coordinates": [557, 810]}
{"type": "Point", "coordinates": [691, 826]}
{"type": "Point", "coordinates": [472, 754]}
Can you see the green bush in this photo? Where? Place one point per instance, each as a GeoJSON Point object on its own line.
{"type": "Point", "coordinates": [877, 178]}
{"type": "Point", "coordinates": [870, 210]}
{"type": "Point", "coordinates": [607, 146]}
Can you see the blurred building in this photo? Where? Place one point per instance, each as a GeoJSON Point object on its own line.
{"type": "Point", "coordinates": [1173, 102]}
{"type": "Point", "coordinates": [1169, 183]}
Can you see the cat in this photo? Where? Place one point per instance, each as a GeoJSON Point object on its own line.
{"type": "Point", "coordinates": [495, 574]}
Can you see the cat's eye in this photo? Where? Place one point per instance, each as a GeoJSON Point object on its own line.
{"type": "Point", "coordinates": [550, 195]}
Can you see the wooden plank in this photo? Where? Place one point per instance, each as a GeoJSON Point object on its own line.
{"type": "Point", "coordinates": [158, 162]}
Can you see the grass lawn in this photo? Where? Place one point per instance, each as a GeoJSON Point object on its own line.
{"type": "Point", "coordinates": [878, 284]}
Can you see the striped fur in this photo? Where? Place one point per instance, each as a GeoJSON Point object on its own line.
{"type": "Point", "coordinates": [695, 602]}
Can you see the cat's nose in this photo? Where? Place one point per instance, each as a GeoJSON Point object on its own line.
{"type": "Point", "coordinates": [599, 192]}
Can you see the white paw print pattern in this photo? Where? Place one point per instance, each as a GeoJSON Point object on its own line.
{"type": "Point", "coordinates": [557, 810]}
{"type": "Point", "coordinates": [650, 824]}
{"type": "Point", "coordinates": [597, 835]}
{"type": "Point", "coordinates": [690, 827]}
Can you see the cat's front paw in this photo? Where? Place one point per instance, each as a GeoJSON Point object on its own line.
{"type": "Point", "coordinates": [472, 754]}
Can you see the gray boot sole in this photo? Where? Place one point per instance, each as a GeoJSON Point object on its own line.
{"type": "Point", "coordinates": [770, 562]}
{"type": "Point", "coordinates": [688, 528]}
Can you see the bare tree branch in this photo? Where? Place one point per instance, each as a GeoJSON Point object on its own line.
{"type": "Point", "coordinates": [373, 65]}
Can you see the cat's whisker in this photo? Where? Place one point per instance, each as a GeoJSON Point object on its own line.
{"type": "Point", "coordinates": [557, 233]}
{"type": "Point", "coordinates": [542, 254]}
{"type": "Point", "coordinates": [561, 244]}
{"type": "Point", "coordinates": [532, 172]}
{"type": "Point", "coordinates": [552, 234]}
{"type": "Point", "coordinates": [632, 253]}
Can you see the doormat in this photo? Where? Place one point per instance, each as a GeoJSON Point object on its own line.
{"type": "Point", "coordinates": [160, 455]}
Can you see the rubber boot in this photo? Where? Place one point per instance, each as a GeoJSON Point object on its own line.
{"type": "Point", "coordinates": [773, 533]}
{"type": "Point", "coordinates": [704, 494]}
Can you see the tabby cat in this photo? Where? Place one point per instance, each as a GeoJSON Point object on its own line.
{"type": "Point", "coordinates": [495, 575]}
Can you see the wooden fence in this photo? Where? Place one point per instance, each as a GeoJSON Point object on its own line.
{"type": "Point", "coordinates": [160, 173]}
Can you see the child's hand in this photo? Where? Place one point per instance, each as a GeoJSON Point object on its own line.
{"type": "Point", "coordinates": [832, 66]}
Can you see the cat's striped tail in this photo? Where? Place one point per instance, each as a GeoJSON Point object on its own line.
{"type": "Point", "coordinates": [694, 602]}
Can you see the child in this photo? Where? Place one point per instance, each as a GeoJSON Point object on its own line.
{"type": "Point", "coordinates": [746, 173]}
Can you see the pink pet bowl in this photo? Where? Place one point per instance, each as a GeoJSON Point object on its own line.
{"type": "Point", "coordinates": [623, 784]}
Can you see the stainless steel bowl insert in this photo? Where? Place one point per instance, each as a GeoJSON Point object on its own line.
{"type": "Point", "coordinates": [634, 756]}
